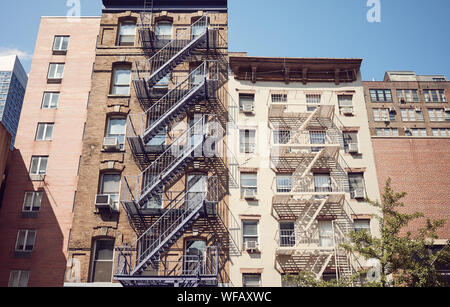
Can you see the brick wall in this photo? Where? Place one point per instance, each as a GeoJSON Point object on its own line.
{"type": "Point", "coordinates": [420, 167]}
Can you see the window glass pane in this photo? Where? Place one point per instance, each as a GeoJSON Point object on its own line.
{"type": "Point", "coordinates": [122, 77]}
{"type": "Point", "coordinates": [395, 132]}
{"type": "Point", "coordinates": [164, 30]}
{"type": "Point", "coordinates": [48, 131]}
{"type": "Point", "coordinates": [21, 240]}
{"type": "Point", "coordinates": [248, 180]}
{"type": "Point", "coordinates": [250, 228]}
{"type": "Point", "coordinates": [30, 240]}
{"type": "Point", "coordinates": [116, 126]}
{"type": "Point", "coordinates": [104, 250]}
{"type": "Point", "coordinates": [43, 166]}
{"type": "Point", "coordinates": [34, 165]}
{"type": "Point", "coordinates": [52, 71]}
{"type": "Point", "coordinates": [111, 184]}
{"type": "Point", "coordinates": [28, 201]}
{"type": "Point", "coordinates": [14, 279]}
{"type": "Point", "coordinates": [127, 29]}
{"type": "Point", "coordinates": [23, 281]}
{"type": "Point", "coordinates": [251, 280]}
{"type": "Point", "coordinates": [37, 201]}
{"type": "Point", "coordinates": [59, 71]}
{"type": "Point", "coordinates": [40, 132]}
{"type": "Point", "coordinates": [65, 43]}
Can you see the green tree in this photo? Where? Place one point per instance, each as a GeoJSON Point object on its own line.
{"type": "Point", "coordinates": [405, 260]}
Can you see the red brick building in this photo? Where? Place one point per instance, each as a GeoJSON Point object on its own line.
{"type": "Point", "coordinates": [409, 118]}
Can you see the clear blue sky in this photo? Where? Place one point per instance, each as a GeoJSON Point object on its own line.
{"type": "Point", "coordinates": [412, 35]}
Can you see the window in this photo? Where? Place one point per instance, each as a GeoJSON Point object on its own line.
{"type": "Point", "coordinates": [317, 137]}
{"type": "Point", "coordinates": [110, 185]}
{"type": "Point", "coordinates": [387, 132]}
{"type": "Point", "coordinates": [247, 140]}
{"type": "Point", "coordinates": [281, 137]}
{"type": "Point", "coordinates": [362, 225]}
{"type": "Point", "coordinates": [164, 30]}
{"type": "Point", "coordinates": [345, 104]}
{"type": "Point", "coordinates": [18, 279]}
{"type": "Point", "coordinates": [50, 100]}
{"type": "Point", "coordinates": [38, 165]}
{"type": "Point", "coordinates": [350, 138]}
{"type": "Point", "coordinates": [418, 132]}
{"type": "Point", "coordinates": [279, 98]}
{"type": "Point", "coordinates": [408, 95]}
{"type": "Point", "coordinates": [117, 129]}
{"type": "Point", "coordinates": [25, 240]}
{"type": "Point", "coordinates": [163, 83]}
{"type": "Point", "coordinates": [250, 231]}
{"type": "Point", "coordinates": [246, 102]}
{"type": "Point", "coordinates": [198, 29]}
{"type": "Point", "coordinates": [251, 280]}
{"type": "Point", "coordinates": [249, 181]}
{"type": "Point", "coordinates": [284, 183]}
{"type": "Point", "coordinates": [32, 202]}
{"type": "Point", "coordinates": [356, 183]}
{"type": "Point", "coordinates": [437, 115]}
{"type": "Point", "coordinates": [441, 132]}
{"type": "Point", "coordinates": [127, 33]}
{"type": "Point", "coordinates": [322, 183]}
{"type": "Point", "coordinates": [412, 115]}
{"type": "Point", "coordinates": [44, 132]}
{"type": "Point", "coordinates": [61, 43]}
{"type": "Point", "coordinates": [159, 140]}
{"type": "Point", "coordinates": [381, 95]}
{"type": "Point", "coordinates": [121, 81]}
{"type": "Point", "coordinates": [287, 234]}
{"type": "Point", "coordinates": [381, 115]}
{"type": "Point", "coordinates": [102, 265]}
{"type": "Point", "coordinates": [326, 234]}
{"type": "Point", "coordinates": [434, 95]}
{"type": "Point", "coordinates": [313, 98]}
{"type": "Point", "coordinates": [56, 71]}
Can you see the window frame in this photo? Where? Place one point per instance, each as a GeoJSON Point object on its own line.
{"type": "Point", "coordinates": [57, 65]}
{"type": "Point", "coordinates": [101, 188]}
{"type": "Point", "coordinates": [24, 248]}
{"type": "Point", "coordinates": [94, 260]}
{"type": "Point", "coordinates": [250, 237]}
{"type": "Point", "coordinates": [62, 37]}
{"type": "Point", "coordinates": [123, 23]}
{"type": "Point", "coordinates": [46, 127]}
{"type": "Point", "coordinates": [352, 188]}
{"type": "Point", "coordinates": [13, 284]}
{"type": "Point", "coordinates": [121, 138]}
{"type": "Point", "coordinates": [33, 198]}
{"type": "Point", "coordinates": [377, 95]}
{"type": "Point", "coordinates": [247, 147]}
{"type": "Point", "coordinates": [164, 37]}
{"type": "Point", "coordinates": [246, 275]}
{"type": "Point", "coordinates": [115, 86]}
{"type": "Point", "coordinates": [40, 158]}
{"type": "Point", "coordinates": [50, 100]}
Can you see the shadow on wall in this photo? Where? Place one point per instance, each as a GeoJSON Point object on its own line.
{"type": "Point", "coordinates": [47, 262]}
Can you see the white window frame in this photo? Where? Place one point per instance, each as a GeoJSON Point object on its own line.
{"type": "Point", "coordinates": [120, 137]}
{"type": "Point", "coordinates": [120, 33]}
{"type": "Point", "coordinates": [39, 158]}
{"type": "Point", "coordinates": [46, 127]}
{"type": "Point", "coordinates": [12, 283]}
{"type": "Point", "coordinates": [281, 187]}
{"type": "Point", "coordinates": [158, 30]}
{"type": "Point", "coordinates": [61, 39]}
{"type": "Point", "coordinates": [279, 98]}
{"type": "Point", "coordinates": [250, 237]}
{"type": "Point", "coordinates": [51, 102]}
{"type": "Point", "coordinates": [355, 228]}
{"type": "Point", "coordinates": [115, 196]}
{"type": "Point", "coordinates": [281, 136]}
{"type": "Point", "coordinates": [24, 243]}
{"type": "Point", "coordinates": [248, 147]}
{"type": "Point", "coordinates": [381, 115]}
{"type": "Point", "coordinates": [437, 115]}
{"type": "Point", "coordinates": [56, 75]}
{"type": "Point", "coordinates": [34, 195]}
{"type": "Point", "coordinates": [249, 187]}
{"type": "Point", "coordinates": [115, 87]}
{"type": "Point", "coordinates": [345, 103]}
{"type": "Point", "coordinates": [244, 99]}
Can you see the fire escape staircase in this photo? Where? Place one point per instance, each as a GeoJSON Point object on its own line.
{"type": "Point", "coordinates": [178, 50]}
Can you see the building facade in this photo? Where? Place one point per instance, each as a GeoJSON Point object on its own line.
{"type": "Point", "coordinates": [36, 216]}
{"type": "Point", "coordinates": [152, 201]}
{"type": "Point", "coordinates": [5, 142]}
{"type": "Point", "coordinates": [409, 118]}
{"type": "Point", "coordinates": [13, 81]}
{"type": "Point", "coordinates": [305, 167]}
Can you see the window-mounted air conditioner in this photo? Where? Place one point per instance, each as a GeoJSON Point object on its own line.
{"type": "Point", "coordinates": [111, 143]}
{"type": "Point", "coordinates": [250, 194]}
{"type": "Point", "coordinates": [103, 201]}
{"type": "Point", "coordinates": [353, 148]}
{"type": "Point", "coordinates": [347, 111]}
{"type": "Point", "coordinates": [251, 246]}
{"type": "Point", "coordinates": [248, 108]}
{"type": "Point", "coordinates": [358, 194]}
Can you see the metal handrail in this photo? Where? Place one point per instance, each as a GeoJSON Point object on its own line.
{"type": "Point", "coordinates": [172, 48]}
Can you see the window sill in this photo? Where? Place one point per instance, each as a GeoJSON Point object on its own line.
{"type": "Point", "coordinates": [22, 254]}
{"type": "Point", "coordinates": [118, 96]}
{"type": "Point", "coordinates": [29, 214]}
{"type": "Point", "coordinates": [113, 151]}
{"type": "Point", "coordinates": [37, 177]}
{"type": "Point", "coordinates": [54, 80]}
{"type": "Point", "coordinates": [59, 52]}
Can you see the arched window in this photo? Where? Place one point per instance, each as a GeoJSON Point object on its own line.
{"type": "Point", "coordinates": [164, 30]}
{"type": "Point", "coordinates": [127, 33]}
{"type": "Point", "coordinates": [102, 260]}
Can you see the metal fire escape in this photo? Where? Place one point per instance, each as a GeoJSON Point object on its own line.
{"type": "Point", "coordinates": [146, 262]}
{"type": "Point", "coordinates": [312, 201]}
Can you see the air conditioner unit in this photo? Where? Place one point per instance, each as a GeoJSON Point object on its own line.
{"type": "Point", "coordinates": [447, 110]}
{"type": "Point", "coordinates": [250, 194]}
{"type": "Point", "coordinates": [392, 110]}
{"type": "Point", "coordinates": [407, 129]}
{"type": "Point", "coordinates": [358, 194]}
{"type": "Point", "coordinates": [248, 108]}
{"type": "Point", "coordinates": [418, 110]}
{"type": "Point", "coordinates": [402, 100]}
{"type": "Point", "coordinates": [111, 143]}
{"type": "Point", "coordinates": [353, 148]}
{"type": "Point", "coordinates": [347, 111]}
{"type": "Point", "coordinates": [103, 201]}
{"type": "Point", "coordinates": [251, 246]}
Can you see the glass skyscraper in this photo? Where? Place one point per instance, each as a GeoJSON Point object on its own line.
{"type": "Point", "coordinates": [13, 82]}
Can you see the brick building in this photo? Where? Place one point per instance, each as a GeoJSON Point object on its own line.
{"type": "Point", "coordinates": [36, 216]}
{"type": "Point", "coordinates": [158, 93]}
{"type": "Point", "coordinates": [409, 118]}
